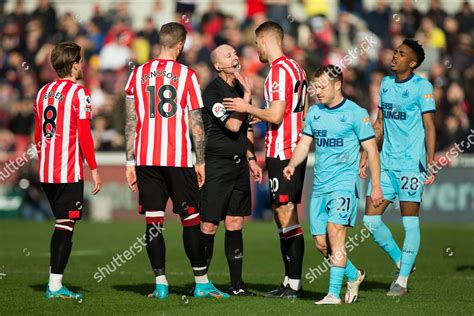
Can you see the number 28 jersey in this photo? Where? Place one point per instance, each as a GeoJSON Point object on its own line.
{"type": "Point", "coordinates": [164, 92]}
{"type": "Point", "coordinates": [286, 81]}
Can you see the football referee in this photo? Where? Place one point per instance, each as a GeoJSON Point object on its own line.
{"type": "Point", "coordinates": [229, 156]}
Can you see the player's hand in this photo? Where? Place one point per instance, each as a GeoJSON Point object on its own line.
{"type": "Point", "coordinates": [244, 82]}
{"type": "Point", "coordinates": [363, 167]}
{"type": "Point", "coordinates": [97, 182]}
{"type": "Point", "coordinates": [236, 105]}
{"type": "Point", "coordinates": [131, 178]}
{"type": "Point", "coordinates": [254, 120]}
{"type": "Point", "coordinates": [288, 172]}
{"type": "Point", "coordinates": [376, 196]}
{"type": "Point", "coordinates": [255, 171]}
{"type": "Point", "coordinates": [431, 179]}
{"type": "Point", "coordinates": [200, 173]}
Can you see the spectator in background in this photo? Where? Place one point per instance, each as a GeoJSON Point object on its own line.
{"type": "Point", "coordinates": [465, 18]}
{"type": "Point", "coordinates": [378, 21]}
{"type": "Point", "coordinates": [436, 13]}
{"type": "Point", "coordinates": [431, 34]}
{"type": "Point", "coordinates": [411, 18]}
{"type": "Point", "coordinates": [46, 14]}
{"type": "Point", "coordinates": [116, 54]}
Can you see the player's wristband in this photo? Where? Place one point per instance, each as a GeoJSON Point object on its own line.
{"type": "Point", "coordinates": [130, 163]}
{"type": "Point", "coordinates": [252, 158]}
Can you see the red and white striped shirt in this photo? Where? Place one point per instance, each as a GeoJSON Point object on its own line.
{"type": "Point", "coordinates": [61, 108]}
{"type": "Point", "coordinates": [164, 92]}
{"type": "Point", "coordinates": [285, 81]}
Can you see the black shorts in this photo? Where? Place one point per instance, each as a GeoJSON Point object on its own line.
{"type": "Point", "coordinates": [226, 190]}
{"type": "Point", "coordinates": [157, 184]}
{"type": "Point", "coordinates": [66, 199]}
{"type": "Point", "coordinates": [281, 190]}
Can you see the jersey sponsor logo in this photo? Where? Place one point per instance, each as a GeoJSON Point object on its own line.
{"type": "Point", "coordinates": [330, 142]}
{"type": "Point", "coordinates": [390, 113]}
{"type": "Point", "coordinates": [218, 110]}
{"type": "Point", "coordinates": [323, 141]}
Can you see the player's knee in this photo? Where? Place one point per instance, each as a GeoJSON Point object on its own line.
{"type": "Point", "coordinates": [234, 222]}
{"type": "Point", "coordinates": [65, 224]}
{"type": "Point", "coordinates": [209, 228]}
{"type": "Point", "coordinates": [285, 216]}
{"type": "Point", "coordinates": [320, 243]}
{"type": "Point", "coordinates": [191, 220]}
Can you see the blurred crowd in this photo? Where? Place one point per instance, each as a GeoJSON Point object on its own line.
{"type": "Point", "coordinates": [360, 41]}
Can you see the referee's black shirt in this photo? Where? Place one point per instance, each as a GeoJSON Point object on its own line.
{"type": "Point", "coordinates": [221, 141]}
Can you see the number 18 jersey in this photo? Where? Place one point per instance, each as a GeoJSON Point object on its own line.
{"type": "Point", "coordinates": [164, 92]}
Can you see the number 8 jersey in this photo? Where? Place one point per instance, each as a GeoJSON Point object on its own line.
{"type": "Point", "coordinates": [164, 92]}
{"type": "Point", "coordinates": [62, 111]}
{"type": "Point", "coordinates": [286, 81]}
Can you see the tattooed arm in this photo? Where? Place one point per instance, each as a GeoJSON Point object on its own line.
{"type": "Point", "coordinates": [130, 128]}
{"type": "Point", "coordinates": [199, 140]}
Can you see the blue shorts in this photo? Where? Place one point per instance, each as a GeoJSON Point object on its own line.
{"type": "Point", "coordinates": [338, 207]}
{"type": "Point", "coordinates": [406, 185]}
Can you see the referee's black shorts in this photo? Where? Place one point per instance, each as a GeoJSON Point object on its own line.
{"type": "Point", "coordinates": [66, 199]}
{"type": "Point", "coordinates": [157, 184]}
{"type": "Point", "coordinates": [283, 191]}
{"type": "Point", "coordinates": [226, 190]}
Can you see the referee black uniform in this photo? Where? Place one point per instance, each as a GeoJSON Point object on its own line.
{"type": "Point", "coordinates": [226, 190]}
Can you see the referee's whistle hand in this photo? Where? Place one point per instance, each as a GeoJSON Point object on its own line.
{"type": "Point", "coordinates": [288, 172]}
{"type": "Point", "coordinates": [131, 178]}
{"type": "Point", "coordinates": [97, 182]}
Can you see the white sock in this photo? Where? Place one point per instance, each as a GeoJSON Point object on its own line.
{"type": "Point", "coordinates": [398, 264]}
{"type": "Point", "coordinates": [295, 284]}
{"type": "Point", "coordinates": [202, 278]}
{"type": "Point", "coordinates": [285, 280]}
{"type": "Point", "coordinates": [55, 282]}
{"type": "Point", "coordinates": [161, 279]}
{"type": "Point", "coordinates": [402, 281]}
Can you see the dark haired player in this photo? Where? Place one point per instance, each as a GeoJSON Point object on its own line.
{"type": "Point", "coordinates": [286, 100]}
{"type": "Point", "coordinates": [63, 139]}
{"type": "Point", "coordinates": [229, 156]}
{"type": "Point", "coordinates": [405, 123]}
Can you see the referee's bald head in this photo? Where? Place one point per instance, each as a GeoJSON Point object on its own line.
{"type": "Point", "coordinates": [223, 57]}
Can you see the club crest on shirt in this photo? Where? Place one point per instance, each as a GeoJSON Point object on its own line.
{"type": "Point", "coordinates": [405, 94]}
{"type": "Point", "coordinates": [218, 110]}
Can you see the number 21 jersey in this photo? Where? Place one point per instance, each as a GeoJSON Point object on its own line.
{"type": "Point", "coordinates": [164, 92]}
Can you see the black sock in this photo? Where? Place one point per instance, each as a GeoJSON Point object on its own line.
{"type": "Point", "coordinates": [208, 241]}
{"type": "Point", "coordinates": [234, 252]}
{"type": "Point", "coordinates": [155, 247]}
{"type": "Point", "coordinates": [295, 254]}
{"type": "Point", "coordinates": [194, 248]}
{"type": "Point", "coordinates": [61, 245]}
{"type": "Point", "coordinates": [284, 250]}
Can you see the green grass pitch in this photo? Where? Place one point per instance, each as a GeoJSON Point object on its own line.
{"type": "Point", "coordinates": [442, 283]}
